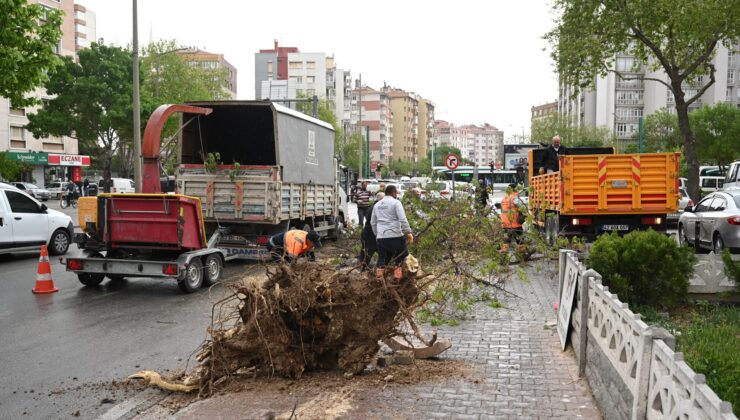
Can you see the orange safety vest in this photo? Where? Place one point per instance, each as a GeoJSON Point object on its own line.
{"type": "Point", "coordinates": [510, 212]}
{"type": "Point", "coordinates": [296, 242]}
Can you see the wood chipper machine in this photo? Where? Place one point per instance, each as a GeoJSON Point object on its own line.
{"type": "Point", "coordinates": [149, 234]}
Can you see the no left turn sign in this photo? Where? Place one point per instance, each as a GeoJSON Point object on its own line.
{"type": "Point", "coordinates": [452, 161]}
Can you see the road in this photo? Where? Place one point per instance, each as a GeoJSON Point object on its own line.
{"type": "Point", "coordinates": [59, 353]}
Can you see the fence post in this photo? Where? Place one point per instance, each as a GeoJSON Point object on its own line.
{"type": "Point", "coordinates": [587, 277]}
{"type": "Point", "coordinates": [640, 402]}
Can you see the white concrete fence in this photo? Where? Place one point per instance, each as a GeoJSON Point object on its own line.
{"type": "Point", "coordinates": [632, 367]}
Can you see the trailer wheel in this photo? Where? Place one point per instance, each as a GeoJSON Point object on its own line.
{"type": "Point", "coordinates": [214, 269]}
{"type": "Point", "coordinates": [90, 279]}
{"type": "Point", "coordinates": [193, 277]}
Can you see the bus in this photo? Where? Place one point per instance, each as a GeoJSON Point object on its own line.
{"type": "Point", "coordinates": [498, 180]}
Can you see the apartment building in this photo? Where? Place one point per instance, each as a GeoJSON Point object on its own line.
{"type": "Point", "coordinates": [208, 60]}
{"type": "Point", "coordinates": [541, 112]}
{"type": "Point", "coordinates": [405, 117]}
{"type": "Point", "coordinates": [426, 126]}
{"type": "Point", "coordinates": [619, 102]}
{"type": "Point", "coordinates": [374, 108]}
{"type": "Point", "coordinates": [51, 157]}
{"type": "Point", "coordinates": [310, 73]}
{"type": "Point", "coordinates": [481, 144]}
{"type": "Point", "coordinates": [85, 27]}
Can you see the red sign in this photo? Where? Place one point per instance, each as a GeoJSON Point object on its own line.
{"type": "Point", "coordinates": [452, 161]}
{"type": "Point", "coordinates": [76, 174]}
{"type": "Point", "coordinates": [69, 160]}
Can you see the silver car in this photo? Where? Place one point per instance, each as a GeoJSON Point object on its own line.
{"type": "Point", "coordinates": [684, 201]}
{"type": "Point", "coordinates": [714, 222]}
{"type": "Point", "coordinates": [33, 190]}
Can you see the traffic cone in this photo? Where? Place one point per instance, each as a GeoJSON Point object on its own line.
{"type": "Point", "coordinates": [44, 283]}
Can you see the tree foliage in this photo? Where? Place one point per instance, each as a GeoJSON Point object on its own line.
{"type": "Point", "coordinates": [11, 169]}
{"type": "Point", "coordinates": [28, 38]}
{"type": "Point", "coordinates": [679, 37]}
{"type": "Point", "coordinates": [660, 133]}
{"type": "Point", "coordinates": [93, 100]}
{"type": "Point", "coordinates": [717, 132]}
{"type": "Point", "coordinates": [544, 129]}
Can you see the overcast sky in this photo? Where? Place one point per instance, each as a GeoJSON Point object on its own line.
{"type": "Point", "coordinates": [479, 61]}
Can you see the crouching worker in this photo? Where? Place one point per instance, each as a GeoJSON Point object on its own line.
{"type": "Point", "coordinates": [290, 245]}
{"type": "Point", "coordinates": [513, 210]}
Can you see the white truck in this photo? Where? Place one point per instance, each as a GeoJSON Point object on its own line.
{"type": "Point", "coordinates": [260, 168]}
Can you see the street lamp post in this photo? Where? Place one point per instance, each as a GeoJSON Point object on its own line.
{"type": "Point", "coordinates": [137, 103]}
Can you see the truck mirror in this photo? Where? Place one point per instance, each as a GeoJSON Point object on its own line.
{"type": "Point", "coordinates": [43, 207]}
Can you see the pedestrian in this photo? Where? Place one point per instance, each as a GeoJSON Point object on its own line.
{"type": "Point", "coordinates": [290, 245]}
{"type": "Point", "coordinates": [367, 237]}
{"type": "Point", "coordinates": [389, 225]}
{"type": "Point", "coordinates": [362, 198]}
{"type": "Point", "coordinates": [380, 190]}
{"type": "Point", "coordinates": [85, 187]}
{"type": "Point", "coordinates": [550, 160]}
{"type": "Point", "coordinates": [481, 196]}
{"type": "Point", "coordinates": [512, 215]}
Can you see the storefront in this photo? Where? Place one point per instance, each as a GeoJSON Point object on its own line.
{"type": "Point", "coordinates": [48, 167]}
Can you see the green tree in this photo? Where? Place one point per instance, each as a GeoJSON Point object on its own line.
{"type": "Point", "coordinates": [28, 39]}
{"type": "Point", "coordinates": [581, 136]}
{"type": "Point", "coordinates": [660, 133]}
{"type": "Point", "coordinates": [717, 133]}
{"type": "Point", "coordinates": [93, 99]}
{"type": "Point", "coordinates": [678, 37]}
{"type": "Point", "coordinates": [11, 169]}
{"type": "Point", "coordinates": [350, 152]}
{"type": "Point", "coordinates": [441, 152]}
{"type": "Point", "coordinates": [169, 79]}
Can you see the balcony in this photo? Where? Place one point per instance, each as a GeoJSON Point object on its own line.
{"type": "Point", "coordinates": [629, 101]}
{"type": "Point", "coordinates": [630, 84]}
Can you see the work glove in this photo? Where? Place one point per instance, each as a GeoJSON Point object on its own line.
{"type": "Point", "coordinates": [410, 238]}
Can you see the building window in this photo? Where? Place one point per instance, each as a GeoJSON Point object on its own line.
{"type": "Point", "coordinates": [311, 92]}
{"type": "Point", "coordinates": [626, 64]}
{"type": "Point", "coordinates": [295, 65]}
{"type": "Point", "coordinates": [79, 14]}
{"type": "Point", "coordinates": [310, 79]}
{"type": "Point", "coordinates": [17, 139]}
{"type": "Point", "coordinates": [53, 147]}
{"type": "Point", "coordinates": [731, 77]}
{"type": "Point", "coordinates": [81, 28]}
{"type": "Point", "coordinates": [310, 65]}
{"type": "Point", "coordinates": [269, 67]}
{"type": "Point", "coordinates": [17, 111]}
{"type": "Point", "coordinates": [297, 79]}
{"type": "Point", "coordinates": [44, 10]}
{"type": "Point", "coordinates": [728, 93]}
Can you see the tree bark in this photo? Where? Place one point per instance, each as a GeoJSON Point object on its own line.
{"type": "Point", "coordinates": [689, 146]}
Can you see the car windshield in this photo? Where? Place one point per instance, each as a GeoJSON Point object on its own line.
{"type": "Point", "coordinates": [31, 186]}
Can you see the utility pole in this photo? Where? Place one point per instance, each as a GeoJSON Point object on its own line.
{"type": "Point", "coordinates": [359, 125]}
{"type": "Point", "coordinates": [137, 104]}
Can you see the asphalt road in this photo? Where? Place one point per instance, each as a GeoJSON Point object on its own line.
{"type": "Point", "coordinates": [59, 353]}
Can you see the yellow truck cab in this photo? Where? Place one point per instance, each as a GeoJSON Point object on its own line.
{"type": "Point", "coordinates": [597, 191]}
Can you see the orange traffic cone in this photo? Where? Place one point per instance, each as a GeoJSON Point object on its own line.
{"type": "Point", "coordinates": [44, 283]}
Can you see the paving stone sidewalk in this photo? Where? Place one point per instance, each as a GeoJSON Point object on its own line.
{"type": "Point", "coordinates": [517, 371]}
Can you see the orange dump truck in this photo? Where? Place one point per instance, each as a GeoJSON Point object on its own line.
{"type": "Point", "coordinates": [597, 191]}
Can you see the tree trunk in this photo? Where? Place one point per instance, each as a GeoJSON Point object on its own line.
{"type": "Point", "coordinates": [689, 148]}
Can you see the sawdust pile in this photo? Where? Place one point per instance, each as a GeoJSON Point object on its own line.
{"type": "Point", "coordinates": [304, 317]}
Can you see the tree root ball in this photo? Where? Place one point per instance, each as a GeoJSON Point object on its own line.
{"type": "Point", "coordinates": [308, 316]}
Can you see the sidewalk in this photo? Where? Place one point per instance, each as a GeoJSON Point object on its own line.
{"type": "Point", "coordinates": [504, 363]}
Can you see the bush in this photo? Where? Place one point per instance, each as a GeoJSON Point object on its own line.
{"type": "Point", "coordinates": [644, 267]}
{"type": "Point", "coordinates": [732, 269]}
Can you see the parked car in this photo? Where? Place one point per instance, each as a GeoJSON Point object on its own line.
{"type": "Point", "coordinates": [119, 185]}
{"type": "Point", "coordinates": [56, 188]}
{"type": "Point", "coordinates": [26, 224]}
{"type": "Point", "coordinates": [672, 219]}
{"type": "Point", "coordinates": [711, 183]}
{"type": "Point", "coordinates": [33, 190]}
{"type": "Point", "coordinates": [683, 182]}
{"type": "Point", "coordinates": [732, 180]}
{"type": "Point", "coordinates": [714, 222]}
{"type": "Point", "coordinates": [443, 189]}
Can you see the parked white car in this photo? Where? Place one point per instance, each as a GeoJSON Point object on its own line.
{"type": "Point", "coordinates": [33, 190]}
{"type": "Point", "coordinates": [26, 224]}
{"type": "Point", "coordinates": [732, 180]}
{"type": "Point", "coordinates": [120, 186]}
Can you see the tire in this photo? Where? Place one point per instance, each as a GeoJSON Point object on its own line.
{"type": "Point", "coordinates": [90, 279]}
{"type": "Point", "coordinates": [63, 203]}
{"type": "Point", "coordinates": [683, 240]}
{"type": "Point", "coordinates": [213, 270]}
{"type": "Point", "coordinates": [193, 277]}
{"type": "Point", "coordinates": [59, 242]}
{"type": "Point", "coordinates": [74, 204]}
{"type": "Point", "coordinates": [718, 245]}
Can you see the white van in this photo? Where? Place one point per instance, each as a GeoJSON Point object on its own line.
{"type": "Point", "coordinates": [710, 184]}
{"type": "Point", "coordinates": [732, 180]}
{"type": "Point", "coordinates": [120, 186]}
{"type": "Point", "coordinates": [26, 224]}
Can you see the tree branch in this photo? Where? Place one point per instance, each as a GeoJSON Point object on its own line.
{"type": "Point", "coordinates": [701, 91]}
{"type": "Point", "coordinates": [701, 60]}
{"type": "Point", "coordinates": [621, 76]}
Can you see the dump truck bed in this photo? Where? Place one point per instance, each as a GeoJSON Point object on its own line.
{"type": "Point", "coordinates": [609, 184]}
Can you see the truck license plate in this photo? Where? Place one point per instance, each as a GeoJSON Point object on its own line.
{"type": "Point", "coordinates": [616, 227]}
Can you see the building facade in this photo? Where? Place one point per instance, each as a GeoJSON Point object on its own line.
{"type": "Point", "coordinates": [541, 112]}
{"type": "Point", "coordinates": [618, 102]}
{"type": "Point", "coordinates": [426, 126]}
{"type": "Point", "coordinates": [373, 107]}
{"type": "Point", "coordinates": [310, 73]}
{"type": "Point", "coordinates": [208, 60]}
{"type": "Point", "coordinates": [405, 117]}
{"type": "Point", "coordinates": [53, 157]}
{"type": "Point", "coordinates": [481, 144]}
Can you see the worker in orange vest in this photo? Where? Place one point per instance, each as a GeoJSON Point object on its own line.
{"type": "Point", "coordinates": [513, 212]}
{"type": "Point", "coordinates": [292, 244]}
